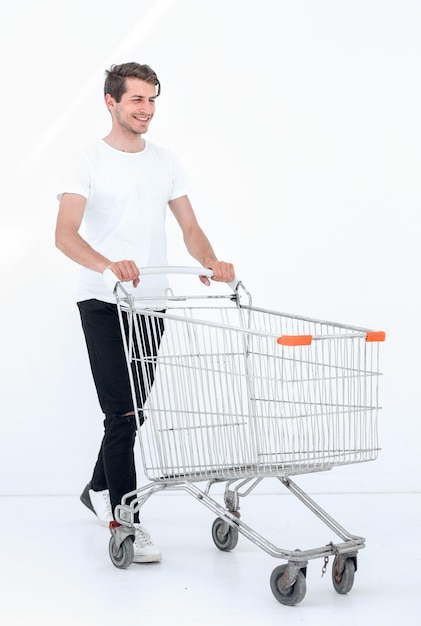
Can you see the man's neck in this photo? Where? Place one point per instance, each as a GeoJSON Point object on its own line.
{"type": "Point", "coordinates": [133, 143]}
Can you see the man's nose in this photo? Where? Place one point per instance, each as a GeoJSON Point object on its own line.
{"type": "Point", "coordinates": [147, 107]}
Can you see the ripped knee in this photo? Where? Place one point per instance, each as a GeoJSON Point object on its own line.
{"type": "Point", "coordinates": [127, 418]}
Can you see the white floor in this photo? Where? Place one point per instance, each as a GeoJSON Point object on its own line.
{"type": "Point", "coordinates": [55, 567]}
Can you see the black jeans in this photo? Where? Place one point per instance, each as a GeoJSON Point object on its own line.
{"type": "Point", "coordinates": [115, 467]}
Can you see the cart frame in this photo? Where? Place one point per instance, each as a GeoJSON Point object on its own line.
{"type": "Point", "coordinates": [329, 406]}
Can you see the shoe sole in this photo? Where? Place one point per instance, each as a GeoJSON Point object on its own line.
{"type": "Point", "coordinates": [147, 559]}
{"type": "Point", "coordinates": [86, 500]}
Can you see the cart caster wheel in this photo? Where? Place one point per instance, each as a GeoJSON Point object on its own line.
{"type": "Point", "coordinates": [294, 594]}
{"type": "Point", "coordinates": [224, 538]}
{"type": "Point", "coordinates": [125, 554]}
{"type": "Point", "coordinates": [343, 582]}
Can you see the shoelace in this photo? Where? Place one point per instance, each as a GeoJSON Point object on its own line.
{"type": "Point", "coordinates": [142, 537]}
{"type": "Point", "coordinates": [107, 501]}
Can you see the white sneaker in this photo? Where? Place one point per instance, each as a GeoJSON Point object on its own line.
{"type": "Point", "coordinates": [99, 503]}
{"type": "Point", "coordinates": [144, 549]}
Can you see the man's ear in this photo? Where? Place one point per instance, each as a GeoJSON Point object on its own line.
{"type": "Point", "coordinates": [109, 102]}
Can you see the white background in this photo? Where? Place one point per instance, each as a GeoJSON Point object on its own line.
{"type": "Point", "coordinates": [298, 122]}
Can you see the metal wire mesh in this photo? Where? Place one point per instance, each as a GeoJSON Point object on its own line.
{"type": "Point", "coordinates": [226, 400]}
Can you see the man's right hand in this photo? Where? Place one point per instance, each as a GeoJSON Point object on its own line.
{"type": "Point", "coordinates": [126, 271]}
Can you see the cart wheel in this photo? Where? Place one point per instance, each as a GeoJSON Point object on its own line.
{"type": "Point", "coordinates": [124, 556]}
{"type": "Point", "coordinates": [343, 581]}
{"type": "Point", "coordinates": [292, 595]}
{"type": "Point", "coordinates": [224, 539]}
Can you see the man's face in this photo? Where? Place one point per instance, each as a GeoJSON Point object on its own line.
{"type": "Point", "coordinates": [136, 107]}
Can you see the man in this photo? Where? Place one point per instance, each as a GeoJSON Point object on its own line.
{"type": "Point", "coordinates": [120, 188]}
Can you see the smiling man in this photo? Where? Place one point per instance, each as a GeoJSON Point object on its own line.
{"type": "Point", "coordinates": [132, 109]}
{"type": "Point", "coordinates": [120, 188]}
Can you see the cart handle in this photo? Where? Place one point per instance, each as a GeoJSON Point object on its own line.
{"type": "Point", "coordinates": [111, 279]}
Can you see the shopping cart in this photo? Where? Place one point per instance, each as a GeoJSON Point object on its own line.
{"type": "Point", "coordinates": [234, 394]}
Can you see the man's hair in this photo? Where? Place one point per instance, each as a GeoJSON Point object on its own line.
{"type": "Point", "coordinates": [115, 81]}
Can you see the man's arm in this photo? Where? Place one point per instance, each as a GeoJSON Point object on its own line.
{"type": "Point", "coordinates": [197, 243]}
{"type": "Point", "coordinates": [68, 240]}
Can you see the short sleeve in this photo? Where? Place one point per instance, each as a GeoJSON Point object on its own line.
{"type": "Point", "coordinates": [180, 185]}
{"type": "Point", "coordinates": [77, 177]}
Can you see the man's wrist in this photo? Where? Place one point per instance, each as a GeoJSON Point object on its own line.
{"type": "Point", "coordinates": [209, 262]}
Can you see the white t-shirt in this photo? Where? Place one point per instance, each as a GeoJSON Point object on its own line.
{"type": "Point", "coordinates": [127, 196]}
